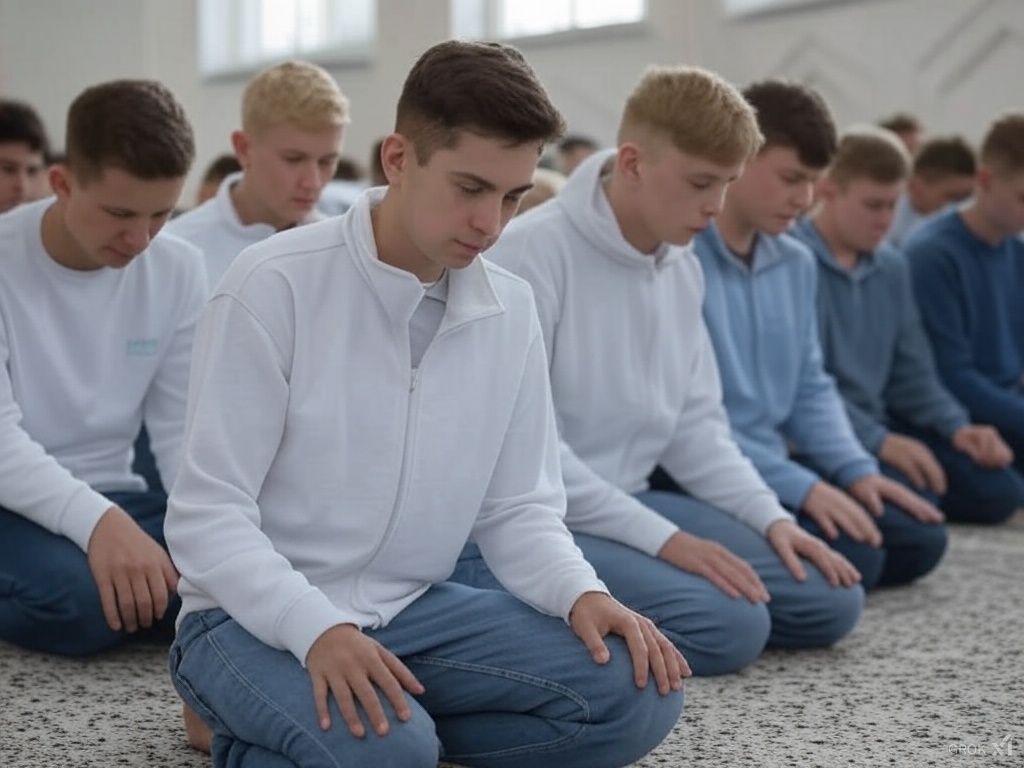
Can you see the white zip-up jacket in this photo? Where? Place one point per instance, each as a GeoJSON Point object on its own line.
{"type": "Point", "coordinates": [324, 481]}
{"type": "Point", "coordinates": [633, 372]}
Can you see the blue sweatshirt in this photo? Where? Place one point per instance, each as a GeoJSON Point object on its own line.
{"type": "Point", "coordinates": [969, 294]}
{"type": "Point", "coordinates": [762, 324]}
{"type": "Point", "coordinates": [873, 344]}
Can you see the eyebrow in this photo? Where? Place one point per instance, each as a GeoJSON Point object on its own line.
{"type": "Point", "coordinates": [488, 185]}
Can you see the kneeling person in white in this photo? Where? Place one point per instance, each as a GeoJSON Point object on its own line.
{"type": "Point", "coordinates": [367, 395]}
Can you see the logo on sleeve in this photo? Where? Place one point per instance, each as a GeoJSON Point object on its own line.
{"type": "Point", "coordinates": [142, 347]}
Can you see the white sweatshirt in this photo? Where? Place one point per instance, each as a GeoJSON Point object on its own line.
{"type": "Point", "coordinates": [87, 356]}
{"type": "Point", "coordinates": [633, 372]}
{"type": "Point", "coordinates": [324, 480]}
{"type": "Point", "coordinates": [214, 228]}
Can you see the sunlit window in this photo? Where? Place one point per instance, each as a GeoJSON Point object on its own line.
{"type": "Point", "coordinates": [745, 7]}
{"type": "Point", "coordinates": [242, 35]}
{"type": "Point", "coordinates": [503, 19]}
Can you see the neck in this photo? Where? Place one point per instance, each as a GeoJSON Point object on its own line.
{"type": "Point", "coordinates": [58, 242]}
{"type": "Point", "coordinates": [394, 246]}
{"type": "Point", "coordinates": [845, 256]}
{"type": "Point", "coordinates": [251, 210]}
{"type": "Point", "coordinates": [737, 233]}
{"type": "Point", "coordinates": [981, 225]}
{"type": "Point", "coordinates": [627, 216]}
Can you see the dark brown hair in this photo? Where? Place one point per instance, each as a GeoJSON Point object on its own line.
{"type": "Point", "coordinates": [483, 88]}
{"type": "Point", "coordinates": [1002, 149]}
{"type": "Point", "coordinates": [19, 123]}
{"type": "Point", "coordinates": [793, 115]}
{"type": "Point", "coordinates": [941, 156]}
{"type": "Point", "coordinates": [134, 125]}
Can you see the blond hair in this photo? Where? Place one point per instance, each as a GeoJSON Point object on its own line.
{"type": "Point", "coordinates": [294, 92]}
{"type": "Point", "coordinates": [1002, 149]}
{"type": "Point", "coordinates": [871, 152]}
{"type": "Point", "coordinates": [696, 110]}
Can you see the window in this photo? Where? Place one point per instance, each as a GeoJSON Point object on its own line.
{"type": "Point", "coordinates": [503, 19]}
{"type": "Point", "coordinates": [239, 36]}
{"type": "Point", "coordinates": [751, 7]}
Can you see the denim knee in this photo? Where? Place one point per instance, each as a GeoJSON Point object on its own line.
{"type": "Point", "coordinates": [741, 635]}
{"type": "Point", "coordinates": [990, 499]}
{"type": "Point", "coordinates": [908, 563]}
{"type": "Point", "coordinates": [822, 617]}
{"type": "Point", "coordinates": [67, 623]}
{"type": "Point", "coordinates": [627, 722]}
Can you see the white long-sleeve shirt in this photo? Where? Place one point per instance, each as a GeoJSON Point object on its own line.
{"type": "Point", "coordinates": [633, 373]}
{"type": "Point", "coordinates": [87, 356]}
{"type": "Point", "coordinates": [326, 481]}
{"type": "Point", "coordinates": [215, 228]}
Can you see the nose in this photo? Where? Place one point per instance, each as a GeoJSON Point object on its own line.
{"type": "Point", "coordinates": [311, 178]}
{"type": "Point", "coordinates": [487, 218]}
{"type": "Point", "coordinates": [714, 204]}
{"type": "Point", "coordinates": [804, 196]}
{"type": "Point", "coordinates": [138, 235]}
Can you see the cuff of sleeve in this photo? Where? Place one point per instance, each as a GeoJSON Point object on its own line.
{"type": "Point", "coordinates": [574, 591]}
{"type": "Point", "coordinates": [873, 438]}
{"type": "Point", "coordinates": [650, 532]}
{"type": "Point", "coordinates": [853, 472]}
{"type": "Point", "coordinates": [794, 489]}
{"type": "Point", "coordinates": [306, 619]}
{"type": "Point", "coordinates": [81, 515]}
{"type": "Point", "coordinates": [761, 519]}
{"type": "Point", "coordinates": [952, 426]}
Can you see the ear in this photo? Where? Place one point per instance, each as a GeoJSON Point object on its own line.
{"type": "Point", "coordinates": [60, 180]}
{"type": "Point", "coordinates": [984, 178]}
{"type": "Point", "coordinates": [396, 152]}
{"type": "Point", "coordinates": [825, 189]}
{"type": "Point", "coordinates": [241, 144]}
{"type": "Point", "coordinates": [628, 160]}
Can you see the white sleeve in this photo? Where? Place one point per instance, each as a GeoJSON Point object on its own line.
{"type": "Point", "coordinates": [166, 399]}
{"type": "Point", "coordinates": [704, 459]}
{"type": "Point", "coordinates": [520, 528]}
{"type": "Point", "coordinates": [32, 483]}
{"type": "Point", "coordinates": [238, 399]}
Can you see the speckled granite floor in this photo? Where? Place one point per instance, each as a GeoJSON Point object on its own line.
{"type": "Point", "coordinates": [932, 676]}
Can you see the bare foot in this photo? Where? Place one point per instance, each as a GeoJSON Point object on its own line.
{"type": "Point", "coordinates": [198, 733]}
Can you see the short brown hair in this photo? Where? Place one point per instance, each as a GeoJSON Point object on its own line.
{"type": "Point", "coordinates": [295, 92]}
{"type": "Point", "coordinates": [795, 116]}
{"type": "Point", "coordinates": [135, 125]}
{"type": "Point", "coordinates": [698, 111]}
{"type": "Point", "coordinates": [939, 157]}
{"type": "Point", "coordinates": [1002, 149]}
{"type": "Point", "coordinates": [901, 122]}
{"type": "Point", "coordinates": [20, 123]}
{"type": "Point", "coordinates": [483, 88]}
{"type": "Point", "coordinates": [869, 152]}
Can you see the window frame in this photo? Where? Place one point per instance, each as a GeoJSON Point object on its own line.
{"type": "Point", "coordinates": [491, 13]}
{"type": "Point", "coordinates": [241, 17]}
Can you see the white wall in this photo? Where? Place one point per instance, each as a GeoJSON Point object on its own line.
{"type": "Point", "coordinates": [955, 63]}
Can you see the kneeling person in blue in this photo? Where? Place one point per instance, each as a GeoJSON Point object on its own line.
{"type": "Point", "coordinates": [761, 311]}
{"type": "Point", "coordinates": [875, 347]}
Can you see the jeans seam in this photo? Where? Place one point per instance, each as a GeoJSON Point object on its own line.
{"type": "Point", "coordinates": [520, 677]}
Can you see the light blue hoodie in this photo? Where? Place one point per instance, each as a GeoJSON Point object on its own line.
{"type": "Point", "coordinates": [764, 330]}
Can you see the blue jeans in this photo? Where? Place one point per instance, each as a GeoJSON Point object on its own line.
{"type": "Point", "coordinates": [974, 494]}
{"type": "Point", "coordinates": [49, 601]}
{"type": "Point", "coordinates": [506, 687]}
{"type": "Point", "coordinates": [716, 633]}
{"type": "Point", "coordinates": [909, 550]}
